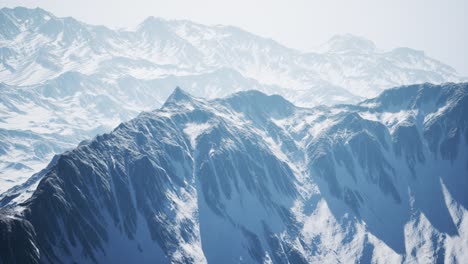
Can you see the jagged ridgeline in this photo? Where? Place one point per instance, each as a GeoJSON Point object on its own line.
{"type": "Point", "coordinates": [252, 178]}
{"type": "Point", "coordinates": [63, 81]}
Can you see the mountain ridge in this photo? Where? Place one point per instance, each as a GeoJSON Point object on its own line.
{"type": "Point", "coordinates": [297, 179]}
{"type": "Point", "coordinates": [107, 76]}
{"type": "Point", "coordinates": [176, 34]}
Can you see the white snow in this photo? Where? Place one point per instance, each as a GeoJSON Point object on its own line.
{"type": "Point", "coordinates": [193, 130]}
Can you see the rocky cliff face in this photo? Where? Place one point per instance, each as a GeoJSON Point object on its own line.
{"type": "Point", "coordinates": [253, 178]}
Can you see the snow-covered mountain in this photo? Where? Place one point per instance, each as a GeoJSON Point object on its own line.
{"type": "Point", "coordinates": [38, 121]}
{"type": "Point", "coordinates": [252, 178]}
{"type": "Point", "coordinates": [63, 81]}
{"type": "Point", "coordinates": [38, 46]}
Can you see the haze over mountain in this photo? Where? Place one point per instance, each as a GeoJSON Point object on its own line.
{"type": "Point", "coordinates": [39, 46]}
{"type": "Point", "coordinates": [64, 81]}
{"type": "Point", "coordinates": [278, 150]}
{"type": "Point", "coordinates": [252, 178]}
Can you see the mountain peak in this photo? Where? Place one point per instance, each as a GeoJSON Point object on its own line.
{"type": "Point", "coordinates": [348, 42]}
{"type": "Point", "coordinates": [152, 19]}
{"type": "Point", "coordinates": [178, 95]}
{"type": "Point", "coordinates": [24, 13]}
{"type": "Point", "coordinates": [152, 22]}
{"type": "Point", "coordinates": [256, 102]}
{"type": "Point", "coordinates": [416, 95]}
{"type": "Point", "coordinates": [14, 20]}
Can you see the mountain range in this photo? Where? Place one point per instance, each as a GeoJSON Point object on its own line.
{"type": "Point", "coordinates": [64, 81]}
{"type": "Point", "coordinates": [267, 154]}
{"type": "Point", "coordinates": [252, 178]}
{"type": "Point", "coordinates": [38, 46]}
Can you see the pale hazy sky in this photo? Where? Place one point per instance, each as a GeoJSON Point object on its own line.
{"type": "Point", "coordinates": [439, 27]}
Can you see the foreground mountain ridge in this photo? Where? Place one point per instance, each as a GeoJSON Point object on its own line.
{"type": "Point", "coordinates": [253, 178]}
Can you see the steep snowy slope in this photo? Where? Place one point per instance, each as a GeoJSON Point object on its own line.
{"type": "Point", "coordinates": [253, 178]}
{"type": "Point", "coordinates": [41, 120]}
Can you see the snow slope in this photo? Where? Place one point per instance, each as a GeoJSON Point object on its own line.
{"type": "Point", "coordinates": [63, 81]}
{"type": "Point", "coordinates": [253, 178]}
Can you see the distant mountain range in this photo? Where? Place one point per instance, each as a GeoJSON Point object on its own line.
{"type": "Point", "coordinates": [251, 178]}
{"type": "Point", "coordinates": [37, 46]}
